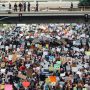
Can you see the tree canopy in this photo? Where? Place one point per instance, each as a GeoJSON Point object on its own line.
{"type": "Point", "coordinates": [84, 3]}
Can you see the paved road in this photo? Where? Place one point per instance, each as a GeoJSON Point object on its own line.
{"type": "Point", "coordinates": [47, 13]}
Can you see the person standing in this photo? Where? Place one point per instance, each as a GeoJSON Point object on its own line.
{"type": "Point", "coordinates": [28, 6]}
{"type": "Point", "coordinates": [37, 6]}
{"type": "Point", "coordinates": [9, 5]}
{"type": "Point", "coordinates": [24, 7]}
{"type": "Point", "coordinates": [71, 5]}
{"type": "Point", "coordinates": [20, 7]}
{"type": "Point", "coordinates": [15, 7]}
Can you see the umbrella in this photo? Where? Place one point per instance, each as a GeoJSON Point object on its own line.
{"type": "Point", "coordinates": [26, 84]}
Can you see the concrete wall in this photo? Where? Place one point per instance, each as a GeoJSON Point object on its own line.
{"type": "Point", "coordinates": [45, 19]}
{"type": "Point", "coordinates": [58, 4]}
{"type": "Point", "coordinates": [39, 0]}
{"type": "Point", "coordinates": [50, 4]}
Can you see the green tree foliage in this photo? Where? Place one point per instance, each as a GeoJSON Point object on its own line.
{"type": "Point", "coordinates": [84, 3]}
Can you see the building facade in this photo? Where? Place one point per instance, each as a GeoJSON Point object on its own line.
{"type": "Point", "coordinates": [38, 0]}
{"type": "Point", "coordinates": [46, 3]}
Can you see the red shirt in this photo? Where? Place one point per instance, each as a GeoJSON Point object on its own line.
{"type": "Point", "coordinates": [22, 68]}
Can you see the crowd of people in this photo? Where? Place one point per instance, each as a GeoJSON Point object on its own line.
{"type": "Point", "coordinates": [23, 6]}
{"type": "Point", "coordinates": [46, 57]}
{"type": "Point", "coordinates": [26, 6]}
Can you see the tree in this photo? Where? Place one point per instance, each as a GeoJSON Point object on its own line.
{"type": "Point", "coordinates": [84, 3]}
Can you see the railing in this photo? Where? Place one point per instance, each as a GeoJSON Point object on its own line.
{"type": "Point", "coordinates": [84, 8]}
{"type": "Point", "coordinates": [64, 9]}
{"type": "Point", "coordinates": [51, 8]}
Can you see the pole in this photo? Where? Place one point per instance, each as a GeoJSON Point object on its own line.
{"type": "Point", "coordinates": [20, 16]}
